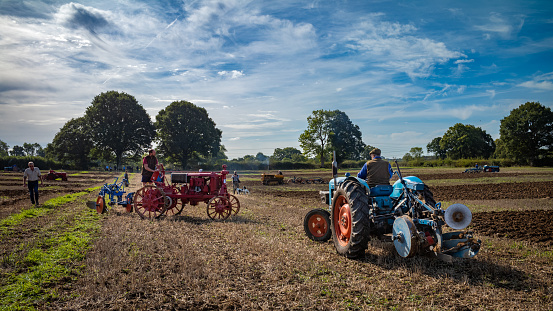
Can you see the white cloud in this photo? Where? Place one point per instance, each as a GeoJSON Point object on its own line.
{"type": "Point", "coordinates": [505, 28]}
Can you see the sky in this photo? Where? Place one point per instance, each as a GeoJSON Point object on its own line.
{"type": "Point", "coordinates": [403, 71]}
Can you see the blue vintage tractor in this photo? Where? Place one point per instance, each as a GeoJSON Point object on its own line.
{"type": "Point", "coordinates": [406, 212]}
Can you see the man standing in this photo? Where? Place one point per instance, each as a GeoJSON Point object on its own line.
{"type": "Point", "coordinates": [376, 171]}
{"type": "Point", "coordinates": [149, 164]}
{"type": "Point", "coordinates": [32, 173]}
{"type": "Point", "coordinates": [235, 182]}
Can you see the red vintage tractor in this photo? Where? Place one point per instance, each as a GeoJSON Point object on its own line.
{"type": "Point", "coordinates": [53, 175]}
{"type": "Point", "coordinates": [164, 197]}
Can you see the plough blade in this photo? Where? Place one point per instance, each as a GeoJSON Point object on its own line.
{"type": "Point", "coordinates": [460, 244]}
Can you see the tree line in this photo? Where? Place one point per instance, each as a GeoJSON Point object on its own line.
{"type": "Point", "coordinates": [116, 128]}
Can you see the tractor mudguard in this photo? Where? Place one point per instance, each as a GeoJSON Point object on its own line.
{"type": "Point", "coordinates": [412, 182]}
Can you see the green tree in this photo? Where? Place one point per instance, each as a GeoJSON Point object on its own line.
{"type": "Point", "coordinates": [345, 137]}
{"type": "Point", "coordinates": [119, 125]}
{"type": "Point", "coordinates": [184, 129]}
{"type": "Point", "coordinates": [31, 149]}
{"type": "Point", "coordinates": [435, 148]}
{"type": "Point", "coordinates": [416, 152]}
{"type": "Point", "coordinates": [72, 144]}
{"type": "Point", "coordinates": [467, 141]}
{"type": "Point", "coordinates": [17, 151]}
{"type": "Point", "coordinates": [4, 148]}
{"type": "Point", "coordinates": [407, 157]}
{"type": "Point", "coordinates": [527, 132]}
{"type": "Point", "coordinates": [366, 152]}
{"type": "Point", "coordinates": [285, 153]}
{"type": "Point", "coordinates": [315, 139]}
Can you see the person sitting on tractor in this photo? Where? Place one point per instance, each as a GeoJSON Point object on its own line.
{"type": "Point", "coordinates": [376, 171]}
{"type": "Point", "coordinates": [149, 165]}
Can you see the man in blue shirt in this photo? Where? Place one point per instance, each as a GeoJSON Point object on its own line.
{"type": "Point", "coordinates": [376, 171]}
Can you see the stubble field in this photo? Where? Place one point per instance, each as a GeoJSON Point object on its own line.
{"type": "Point", "coordinates": [261, 258]}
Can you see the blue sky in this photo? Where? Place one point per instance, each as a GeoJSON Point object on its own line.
{"type": "Point", "coordinates": [404, 71]}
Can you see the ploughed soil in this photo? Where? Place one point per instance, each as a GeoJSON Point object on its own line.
{"type": "Point", "coordinates": [261, 258]}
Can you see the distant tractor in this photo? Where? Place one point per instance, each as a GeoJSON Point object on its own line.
{"type": "Point", "coordinates": [53, 175]}
{"type": "Point", "coordinates": [485, 168]}
{"type": "Point", "coordinates": [406, 212]}
{"type": "Point", "coordinates": [272, 180]}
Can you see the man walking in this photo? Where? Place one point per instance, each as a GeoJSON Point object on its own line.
{"type": "Point", "coordinates": [32, 173]}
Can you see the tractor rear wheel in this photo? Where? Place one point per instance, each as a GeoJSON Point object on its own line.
{"type": "Point", "coordinates": [316, 225]}
{"type": "Point", "coordinates": [149, 202]}
{"type": "Point", "coordinates": [350, 223]}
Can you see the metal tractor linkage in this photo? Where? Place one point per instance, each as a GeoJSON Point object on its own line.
{"type": "Point", "coordinates": [115, 193]}
{"type": "Point", "coordinates": [406, 211]}
{"type": "Point", "coordinates": [169, 198]}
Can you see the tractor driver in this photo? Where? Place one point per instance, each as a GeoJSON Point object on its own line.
{"type": "Point", "coordinates": [149, 165]}
{"type": "Point", "coordinates": [376, 171]}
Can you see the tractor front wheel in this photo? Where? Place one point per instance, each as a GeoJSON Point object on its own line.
{"type": "Point", "coordinates": [234, 204]}
{"type": "Point", "coordinates": [350, 225]}
{"type": "Point", "coordinates": [218, 208]}
{"type": "Point", "coordinates": [316, 225]}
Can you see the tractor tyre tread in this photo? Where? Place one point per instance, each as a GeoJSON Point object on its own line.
{"type": "Point", "coordinates": [360, 233]}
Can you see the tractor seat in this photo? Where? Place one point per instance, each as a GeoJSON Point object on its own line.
{"type": "Point", "coordinates": [381, 190]}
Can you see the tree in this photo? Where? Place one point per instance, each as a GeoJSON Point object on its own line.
{"type": "Point", "coordinates": [434, 147]}
{"type": "Point", "coordinates": [72, 144]}
{"type": "Point", "coordinates": [345, 137]}
{"type": "Point", "coordinates": [17, 151]}
{"type": "Point", "coordinates": [261, 157]}
{"type": "Point", "coordinates": [416, 152]}
{"type": "Point", "coordinates": [315, 139]}
{"type": "Point", "coordinates": [31, 149]}
{"type": "Point", "coordinates": [285, 153]}
{"type": "Point", "coordinates": [119, 125]}
{"type": "Point", "coordinates": [184, 129]}
{"type": "Point", "coordinates": [4, 148]}
{"type": "Point", "coordinates": [366, 152]}
{"type": "Point", "coordinates": [467, 141]}
{"type": "Point", "coordinates": [331, 130]}
{"type": "Point", "coordinates": [527, 132]}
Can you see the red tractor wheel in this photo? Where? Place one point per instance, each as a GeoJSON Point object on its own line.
{"type": "Point", "coordinates": [174, 208]}
{"type": "Point", "coordinates": [350, 223]}
{"type": "Point", "coordinates": [218, 208]}
{"type": "Point", "coordinates": [149, 202]}
{"type": "Point", "coordinates": [234, 204]}
{"type": "Point", "coordinates": [316, 225]}
{"type": "Point", "coordinates": [100, 205]}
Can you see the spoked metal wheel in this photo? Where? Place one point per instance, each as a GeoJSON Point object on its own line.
{"type": "Point", "coordinates": [234, 204]}
{"type": "Point", "coordinates": [100, 205]}
{"type": "Point", "coordinates": [218, 208]}
{"type": "Point", "coordinates": [174, 208]}
{"type": "Point", "coordinates": [149, 202]}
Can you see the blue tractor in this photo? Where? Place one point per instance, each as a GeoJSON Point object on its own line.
{"type": "Point", "coordinates": [405, 211]}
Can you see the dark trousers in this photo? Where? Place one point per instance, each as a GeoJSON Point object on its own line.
{"type": "Point", "coordinates": [33, 191]}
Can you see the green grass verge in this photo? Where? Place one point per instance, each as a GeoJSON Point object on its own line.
{"type": "Point", "coordinates": [50, 261]}
{"type": "Point", "coordinates": [14, 220]}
